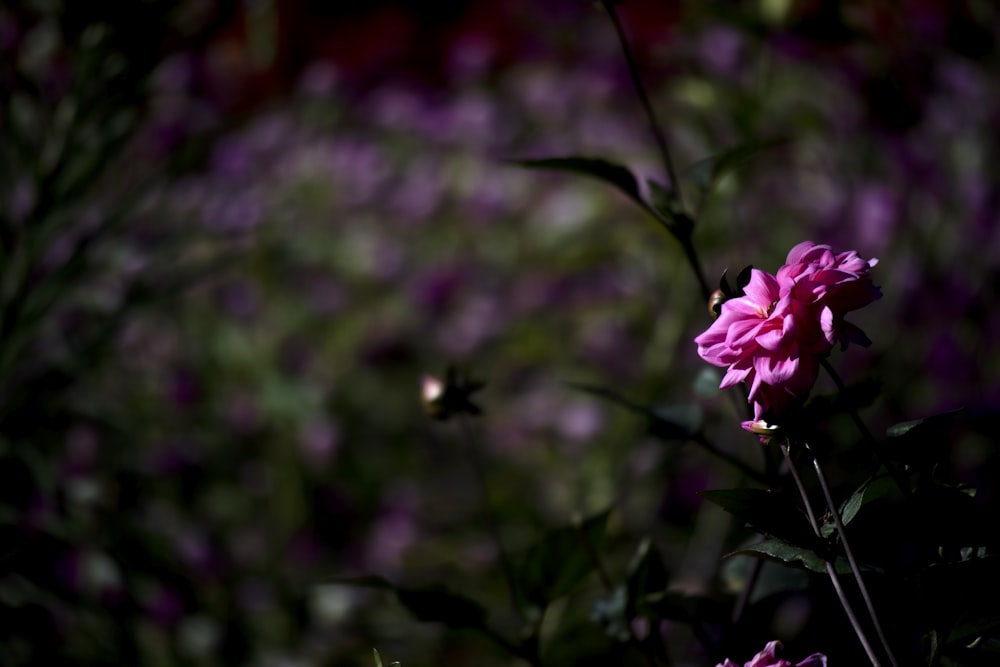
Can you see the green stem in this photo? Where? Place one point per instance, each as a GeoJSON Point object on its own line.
{"type": "Point", "coordinates": [838, 522]}
{"type": "Point", "coordinates": [744, 599]}
{"type": "Point", "coordinates": [830, 570]}
{"type": "Point", "coordinates": [640, 90]}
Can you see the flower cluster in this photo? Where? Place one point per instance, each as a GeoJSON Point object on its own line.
{"type": "Point", "coordinates": [769, 658]}
{"type": "Point", "coordinates": [774, 335]}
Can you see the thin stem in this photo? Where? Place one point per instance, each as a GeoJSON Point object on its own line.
{"type": "Point", "coordinates": [830, 570]}
{"type": "Point", "coordinates": [747, 470]}
{"type": "Point", "coordinates": [692, 258]}
{"type": "Point", "coordinates": [494, 526]}
{"type": "Point", "coordinates": [838, 522]}
{"type": "Point", "coordinates": [640, 90]}
{"type": "Point", "coordinates": [744, 600]}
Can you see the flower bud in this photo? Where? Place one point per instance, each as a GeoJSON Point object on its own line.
{"type": "Point", "coordinates": [715, 302]}
{"type": "Point", "coordinates": [452, 396]}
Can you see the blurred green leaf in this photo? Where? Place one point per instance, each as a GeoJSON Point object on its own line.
{"type": "Point", "coordinates": [665, 205]}
{"type": "Point", "coordinates": [554, 565]}
{"type": "Point", "coordinates": [610, 612]}
{"type": "Point", "coordinates": [439, 605]}
{"type": "Point", "coordinates": [648, 575]}
{"type": "Point", "coordinates": [433, 604]}
{"type": "Point", "coordinates": [688, 609]}
{"type": "Point", "coordinates": [622, 178]}
{"type": "Point", "coordinates": [706, 174]}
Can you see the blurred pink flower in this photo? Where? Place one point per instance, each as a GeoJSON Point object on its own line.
{"type": "Point", "coordinates": [774, 335]}
{"type": "Point", "coordinates": [769, 658]}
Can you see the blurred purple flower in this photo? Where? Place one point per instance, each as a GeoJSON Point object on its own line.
{"type": "Point", "coordinates": [769, 658]}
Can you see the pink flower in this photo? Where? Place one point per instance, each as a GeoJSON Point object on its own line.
{"type": "Point", "coordinates": [761, 341]}
{"type": "Point", "coordinates": [774, 336]}
{"type": "Point", "coordinates": [769, 658]}
{"type": "Point", "coordinates": [827, 285]}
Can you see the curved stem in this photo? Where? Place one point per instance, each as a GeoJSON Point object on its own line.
{"type": "Point", "coordinates": [838, 522]}
{"type": "Point", "coordinates": [747, 470]}
{"type": "Point", "coordinates": [692, 258]}
{"type": "Point", "coordinates": [633, 71]}
{"type": "Point", "coordinates": [830, 570]}
{"type": "Point", "coordinates": [744, 599]}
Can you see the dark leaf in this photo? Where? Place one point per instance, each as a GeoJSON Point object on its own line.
{"type": "Point", "coordinates": [927, 426]}
{"type": "Point", "coordinates": [561, 559]}
{"type": "Point", "coordinates": [433, 604]}
{"type": "Point", "coordinates": [439, 605]}
{"type": "Point", "coordinates": [665, 205]}
{"type": "Point", "coordinates": [951, 518]}
{"type": "Point", "coordinates": [648, 575]}
{"type": "Point", "coordinates": [923, 443]}
{"type": "Point", "coordinates": [789, 554]}
{"type": "Point", "coordinates": [609, 172]}
{"type": "Point", "coordinates": [688, 609]}
{"type": "Point", "coordinates": [743, 279]}
{"type": "Point", "coordinates": [724, 285]}
{"type": "Point", "coordinates": [622, 178]}
{"type": "Point", "coordinates": [854, 397]}
{"type": "Point", "coordinates": [768, 512]}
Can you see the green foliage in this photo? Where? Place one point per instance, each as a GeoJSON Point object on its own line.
{"type": "Point", "coordinates": [554, 565]}
{"type": "Point", "coordinates": [706, 174]}
{"type": "Point", "coordinates": [771, 513]}
{"type": "Point", "coordinates": [433, 604]}
{"type": "Point", "coordinates": [656, 200]}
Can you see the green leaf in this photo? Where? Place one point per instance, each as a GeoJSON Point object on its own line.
{"type": "Point", "coordinates": [874, 488]}
{"type": "Point", "coordinates": [554, 565]}
{"type": "Point", "coordinates": [706, 174]}
{"type": "Point", "coordinates": [925, 426]}
{"type": "Point", "coordinates": [664, 204]}
{"type": "Point", "coordinates": [790, 554]}
{"type": "Point", "coordinates": [771, 513]}
{"type": "Point", "coordinates": [617, 175]}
